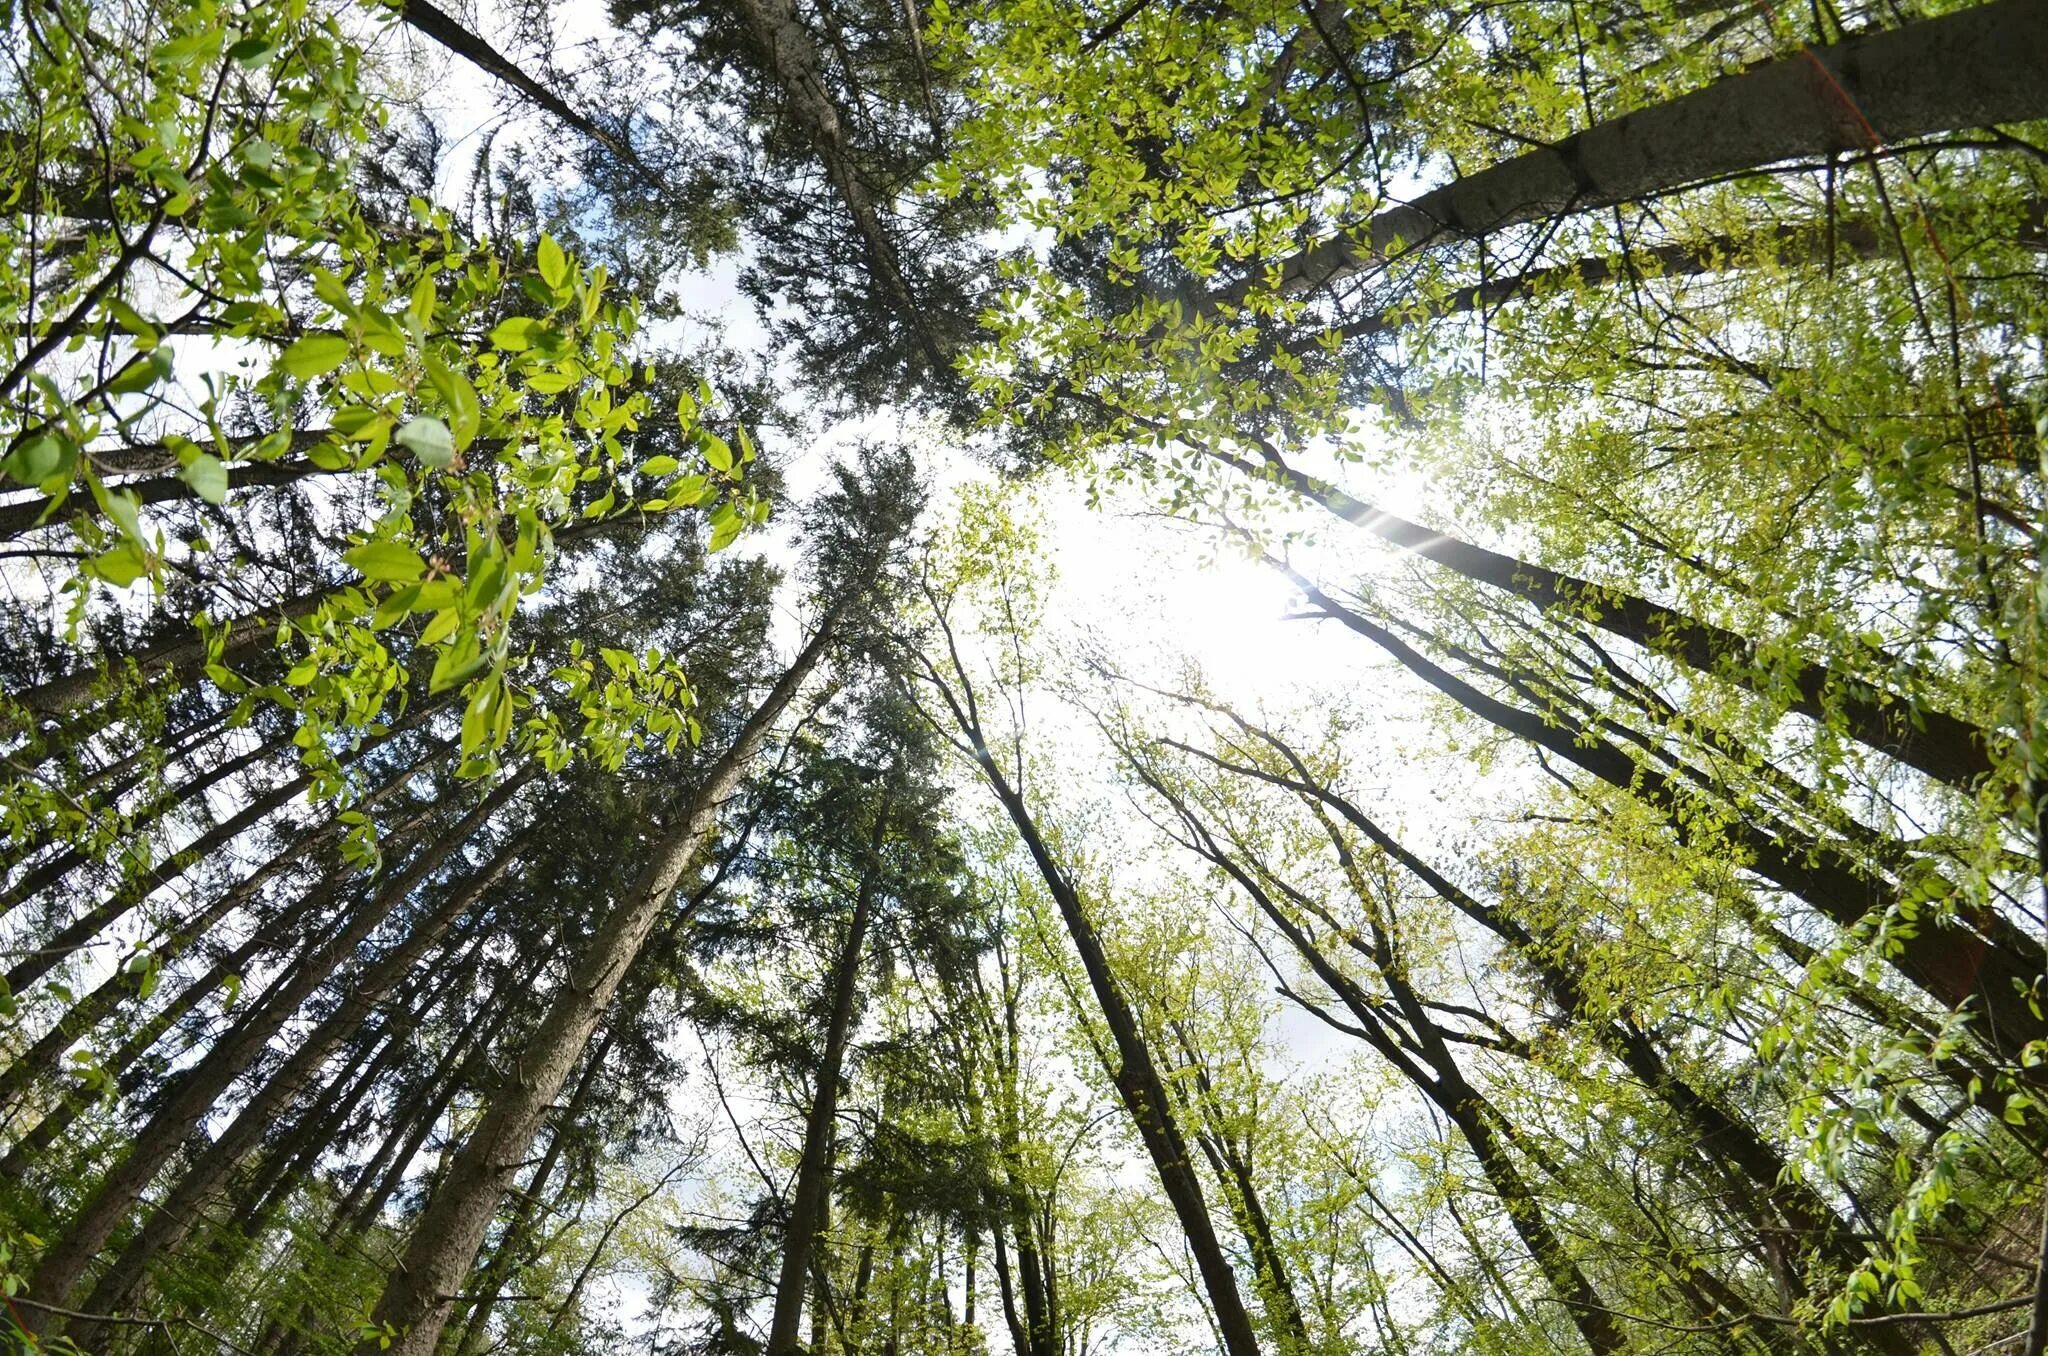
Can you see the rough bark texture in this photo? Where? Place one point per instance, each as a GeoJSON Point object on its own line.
{"type": "Point", "coordinates": [813, 1177]}
{"type": "Point", "coordinates": [1950, 964]}
{"type": "Point", "coordinates": [415, 1305]}
{"type": "Point", "coordinates": [199, 1088]}
{"type": "Point", "coordinates": [1971, 69]}
{"type": "Point", "coordinates": [167, 1225]}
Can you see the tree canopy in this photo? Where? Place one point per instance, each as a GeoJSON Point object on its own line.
{"type": "Point", "coordinates": [829, 678]}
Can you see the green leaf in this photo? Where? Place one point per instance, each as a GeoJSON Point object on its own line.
{"type": "Point", "coordinates": [423, 298]}
{"type": "Point", "coordinates": [122, 565]}
{"type": "Point", "coordinates": [147, 336]}
{"type": "Point", "coordinates": [124, 508]}
{"type": "Point", "coordinates": [436, 594]}
{"type": "Point", "coordinates": [314, 355]}
{"type": "Point", "coordinates": [37, 459]}
{"type": "Point", "coordinates": [141, 374]}
{"type": "Point", "coordinates": [207, 476]}
{"type": "Point", "coordinates": [553, 266]}
{"type": "Point", "coordinates": [428, 439]}
{"type": "Point", "coordinates": [725, 527]}
{"type": "Point", "coordinates": [441, 627]}
{"type": "Point", "coordinates": [552, 383]}
{"type": "Point", "coordinates": [388, 561]}
{"type": "Point", "coordinates": [717, 453]}
{"type": "Point", "coordinates": [465, 411]}
{"type": "Point", "coordinates": [660, 466]}
{"type": "Point", "coordinates": [395, 608]}
{"type": "Point", "coordinates": [304, 672]}
{"type": "Point", "coordinates": [514, 335]}
{"type": "Point", "coordinates": [456, 663]}
{"type": "Point", "coordinates": [479, 716]}
{"type": "Point", "coordinates": [252, 53]}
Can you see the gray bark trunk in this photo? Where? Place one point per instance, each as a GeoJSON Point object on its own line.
{"type": "Point", "coordinates": [1970, 69]}
{"type": "Point", "coordinates": [415, 1305]}
{"type": "Point", "coordinates": [196, 1092]}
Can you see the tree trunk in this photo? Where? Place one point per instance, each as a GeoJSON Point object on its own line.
{"type": "Point", "coordinates": [1137, 1079]}
{"type": "Point", "coordinates": [31, 1147]}
{"type": "Point", "coordinates": [1944, 747]}
{"type": "Point", "coordinates": [198, 1089]}
{"type": "Point", "coordinates": [1973, 68]}
{"type": "Point", "coordinates": [1951, 965]}
{"type": "Point", "coordinates": [779, 31]}
{"type": "Point", "coordinates": [175, 1215]}
{"type": "Point", "coordinates": [442, 28]}
{"type": "Point", "coordinates": [181, 659]}
{"type": "Point", "coordinates": [1439, 1079]}
{"type": "Point", "coordinates": [506, 1258]}
{"type": "Point", "coordinates": [1231, 1164]}
{"type": "Point", "coordinates": [1719, 1133]}
{"type": "Point", "coordinates": [813, 1175]}
{"type": "Point", "coordinates": [15, 519]}
{"type": "Point", "coordinates": [414, 1307]}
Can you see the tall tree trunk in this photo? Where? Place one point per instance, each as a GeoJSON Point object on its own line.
{"type": "Point", "coordinates": [67, 941]}
{"type": "Point", "coordinates": [40, 1061]}
{"type": "Point", "coordinates": [1950, 750]}
{"type": "Point", "coordinates": [414, 1306]}
{"type": "Point", "coordinates": [514, 1242]}
{"type": "Point", "coordinates": [131, 892]}
{"type": "Point", "coordinates": [1730, 1142]}
{"type": "Point", "coordinates": [30, 1147]}
{"type": "Point", "coordinates": [1136, 1077]}
{"type": "Point", "coordinates": [1231, 1164]}
{"type": "Point", "coordinates": [1974, 68]}
{"type": "Point", "coordinates": [414, 1114]}
{"type": "Point", "coordinates": [778, 30]}
{"type": "Point", "coordinates": [442, 28]}
{"type": "Point", "coordinates": [1427, 1063]}
{"type": "Point", "coordinates": [1950, 964]}
{"type": "Point", "coordinates": [167, 1225]}
{"type": "Point", "coordinates": [199, 1088]}
{"type": "Point", "coordinates": [27, 515]}
{"type": "Point", "coordinates": [136, 825]}
{"type": "Point", "coordinates": [813, 1174]}
{"type": "Point", "coordinates": [179, 660]}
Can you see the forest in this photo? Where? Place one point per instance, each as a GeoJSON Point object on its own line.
{"type": "Point", "coordinates": [1024, 677]}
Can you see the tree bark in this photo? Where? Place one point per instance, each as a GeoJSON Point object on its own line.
{"type": "Point", "coordinates": [167, 1225]}
{"type": "Point", "coordinates": [1948, 749]}
{"type": "Point", "coordinates": [813, 1176]}
{"type": "Point", "coordinates": [1136, 1078]}
{"type": "Point", "coordinates": [1438, 1077]}
{"type": "Point", "coordinates": [1719, 1132]}
{"type": "Point", "coordinates": [197, 1090]}
{"type": "Point", "coordinates": [179, 659]}
{"type": "Point", "coordinates": [798, 69]}
{"type": "Point", "coordinates": [62, 863]}
{"type": "Point", "coordinates": [1974, 68]}
{"type": "Point", "coordinates": [132, 892]}
{"type": "Point", "coordinates": [414, 1306]}
{"type": "Point", "coordinates": [443, 29]}
{"type": "Point", "coordinates": [1951, 965]}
